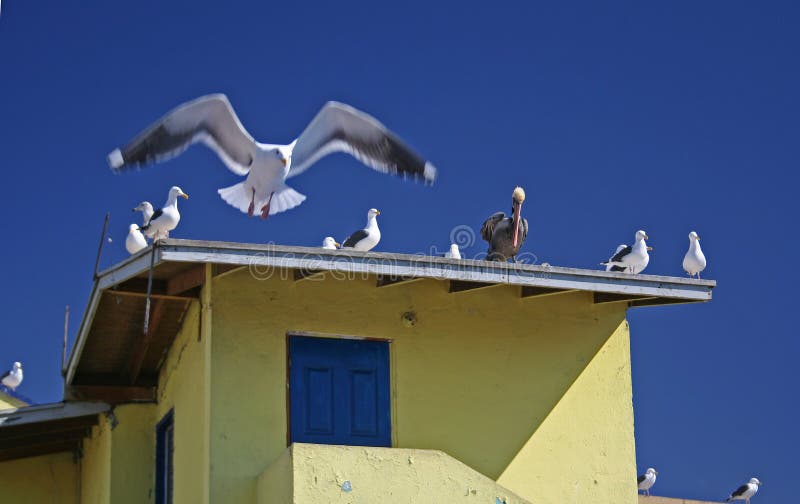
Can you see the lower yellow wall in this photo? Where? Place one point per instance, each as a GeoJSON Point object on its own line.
{"type": "Point", "coordinates": [95, 465]}
{"type": "Point", "coordinates": [48, 479]}
{"type": "Point", "coordinates": [133, 454]}
{"type": "Point", "coordinates": [478, 376]}
{"type": "Point", "coordinates": [181, 388]}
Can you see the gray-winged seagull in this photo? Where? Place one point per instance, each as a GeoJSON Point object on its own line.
{"type": "Point", "coordinates": [365, 239]}
{"type": "Point", "coordinates": [694, 261]}
{"type": "Point", "coordinates": [631, 258]}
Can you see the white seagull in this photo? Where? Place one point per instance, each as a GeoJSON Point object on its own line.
{"type": "Point", "coordinates": [745, 491]}
{"type": "Point", "coordinates": [165, 219]}
{"type": "Point", "coordinates": [147, 213]}
{"type": "Point", "coordinates": [453, 253]}
{"type": "Point", "coordinates": [135, 240]}
{"type": "Point", "coordinates": [330, 244]}
{"type": "Point", "coordinates": [647, 480]}
{"type": "Point", "coordinates": [12, 379]}
{"type": "Point", "coordinates": [211, 120]}
{"type": "Point", "coordinates": [632, 259]}
{"type": "Point", "coordinates": [694, 261]}
{"type": "Point", "coordinates": [365, 239]}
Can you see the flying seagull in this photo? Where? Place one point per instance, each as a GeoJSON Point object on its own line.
{"type": "Point", "coordinates": [165, 219]}
{"type": "Point", "coordinates": [365, 239]}
{"type": "Point", "coordinates": [13, 378]}
{"type": "Point", "coordinates": [694, 261]}
{"type": "Point", "coordinates": [630, 258]}
{"type": "Point", "coordinates": [647, 480]}
{"type": "Point", "coordinates": [506, 234]}
{"type": "Point", "coordinates": [330, 244]}
{"type": "Point", "coordinates": [135, 241]}
{"type": "Point", "coordinates": [211, 120]}
{"type": "Point", "coordinates": [453, 253]}
{"type": "Point", "coordinates": [147, 213]}
{"type": "Point", "coordinates": [745, 491]}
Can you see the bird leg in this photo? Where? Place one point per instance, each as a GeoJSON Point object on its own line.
{"type": "Point", "coordinates": [265, 208]}
{"type": "Point", "coordinates": [252, 206]}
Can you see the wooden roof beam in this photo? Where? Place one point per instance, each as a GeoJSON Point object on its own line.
{"type": "Point", "coordinates": [464, 286]}
{"type": "Point", "coordinates": [388, 281]}
{"type": "Point", "coordinates": [110, 395]}
{"type": "Point", "coordinates": [529, 291]}
{"type": "Point", "coordinates": [143, 342]}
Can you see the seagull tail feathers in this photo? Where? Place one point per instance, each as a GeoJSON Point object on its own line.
{"type": "Point", "coordinates": [115, 160]}
{"type": "Point", "coordinates": [284, 199]}
{"type": "Point", "coordinates": [235, 196]}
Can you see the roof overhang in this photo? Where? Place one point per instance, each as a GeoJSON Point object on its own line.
{"type": "Point", "coordinates": [179, 272]}
{"type": "Point", "coordinates": [49, 428]}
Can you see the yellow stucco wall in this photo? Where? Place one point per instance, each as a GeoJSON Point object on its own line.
{"type": "Point", "coordinates": [48, 479]}
{"type": "Point", "coordinates": [95, 465]}
{"type": "Point", "coordinates": [346, 474]}
{"type": "Point", "coordinates": [181, 388]}
{"type": "Point", "coordinates": [478, 376]}
{"type": "Point", "coordinates": [133, 454]}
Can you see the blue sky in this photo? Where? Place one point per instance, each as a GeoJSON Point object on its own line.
{"type": "Point", "coordinates": [672, 117]}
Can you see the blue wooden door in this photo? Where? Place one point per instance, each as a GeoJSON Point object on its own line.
{"type": "Point", "coordinates": [339, 391]}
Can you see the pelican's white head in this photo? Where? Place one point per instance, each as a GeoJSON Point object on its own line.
{"type": "Point", "coordinates": [754, 481]}
{"type": "Point", "coordinates": [330, 243]}
{"type": "Point", "coordinates": [693, 236]}
{"type": "Point", "coordinates": [17, 365]}
{"type": "Point", "coordinates": [176, 191]}
{"type": "Point", "coordinates": [518, 195]}
{"type": "Point", "coordinates": [373, 213]}
{"type": "Point", "coordinates": [652, 471]}
{"type": "Point", "coordinates": [641, 235]}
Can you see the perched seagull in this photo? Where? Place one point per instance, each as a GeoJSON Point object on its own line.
{"type": "Point", "coordinates": [506, 234]}
{"type": "Point", "coordinates": [211, 120]}
{"type": "Point", "coordinates": [694, 261]}
{"type": "Point", "coordinates": [135, 240]}
{"type": "Point", "coordinates": [330, 244]}
{"type": "Point", "coordinates": [165, 219]}
{"type": "Point", "coordinates": [453, 253]}
{"type": "Point", "coordinates": [147, 213]}
{"type": "Point", "coordinates": [632, 259]}
{"type": "Point", "coordinates": [12, 379]}
{"type": "Point", "coordinates": [745, 491]}
{"type": "Point", "coordinates": [365, 239]}
{"type": "Point", "coordinates": [647, 480]}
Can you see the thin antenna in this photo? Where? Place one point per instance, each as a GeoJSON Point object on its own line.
{"type": "Point", "coordinates": [64, 345]}
{"type": "Point", "coordinates": [100, 247]}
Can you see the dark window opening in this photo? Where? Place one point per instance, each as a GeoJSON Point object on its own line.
{"type": "Point", "coordinates": [165, 433]}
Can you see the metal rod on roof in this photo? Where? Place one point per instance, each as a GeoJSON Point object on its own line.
{"type": "Point", "coordinates": [149, 289]}
{"type": "Point", "coordinates": [100, 247]}
{"type": "Point", "coordinates": [64, 345]}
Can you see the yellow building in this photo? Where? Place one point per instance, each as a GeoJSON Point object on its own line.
{"type": "Point", "coordinates": [270, 374]}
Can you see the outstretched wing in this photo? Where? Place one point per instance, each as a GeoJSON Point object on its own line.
{"type": "Point", "coordinates": [487, 230]}
{"type": "Point", "coordinates": [209, 119]}
{"type": "Point", "coordinates": [341, 128]}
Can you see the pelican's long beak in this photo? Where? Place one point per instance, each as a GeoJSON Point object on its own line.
{"type": "Point", "coordinates": [517, 211]}
{"type": "Point", "coordinates": [184, 196]}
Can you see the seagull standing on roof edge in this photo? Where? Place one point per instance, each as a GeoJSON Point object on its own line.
{"type": "Point", "coordinates": [365, 239]}
{"type": "Point", "coordinates": [506, 234]}
{"type": "Point", "coordinates": [453, 253]}
{"type": "Point", "coordinates": [135, 241]}
{"type": "Point", "coordinates": [330, 244]}
{"type": "Point", "coordinates": [147, 213]}
{"type": "Point", "coordinates": [13, 378]}
{"type": "Point", "coordinates": [211, 120]}
{"type": "Point", "coordinates": [745, 492]}
{"type": "Point", "coordinates": [647, 480]}
{"type": "Point", "coordinates": [631, 258]}
{"type": "Point", "coordinates": [694, 261]}
{"type": "Point", "coordinates": [165, 219]}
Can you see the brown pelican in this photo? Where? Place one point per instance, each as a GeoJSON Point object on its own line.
{"type": "Point", "coordinates": [506, 234]}
{"type": "Point", "coordinates": [211, 120]}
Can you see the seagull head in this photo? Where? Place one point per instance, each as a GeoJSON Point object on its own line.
{"type": "Point", "coordinates": [641, 235]}
{"type": "Point", "coordinates": [176, 191]}
{"type": "Point", "coordinates": [693, 236]}
{"type": "Point", "coordinates": [330, 243]}
{"type": "Point", "coordinates": [454, 248]}
{"type": "Point", "coordinates": [282, 157]}
{"type": "Point", "coordinates": [133, 228]}
{"type": "Point", "coordinates": [373, 213]}
{"type": "Point", "coordinates": [754, 481]}
{"type": "Point", "coordinates": [18, 365]}
{"type": "Point", "coordinates": [652, 471]}
{"type": "Point", "coordinates": [144, 207]}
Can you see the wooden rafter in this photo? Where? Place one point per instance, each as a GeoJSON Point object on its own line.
{"type": "Point", "coordinates": [143, 341]}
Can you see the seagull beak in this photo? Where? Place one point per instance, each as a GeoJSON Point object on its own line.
{"type": "Point", "coordinates": [184, 196]}
{"type": "Point", "coordinates": [649, 248]}
{"type": "Point", "coordinates": [377, 212]}
{"type": "Point", "coordinates": [284, 161]}
{"type": "Point", "coordinates": [646, 237]}
{"type": "Point", "coordinates": [338, 245]}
